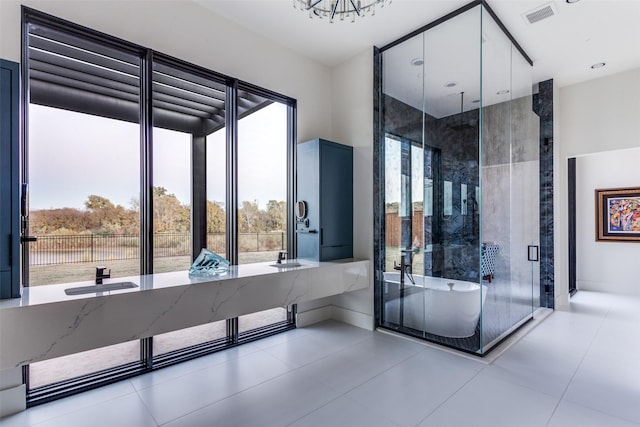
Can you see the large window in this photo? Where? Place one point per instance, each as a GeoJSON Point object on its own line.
{"type": "Point", "coordinates": [82, 159]}
{"type": "Point", "coordinates": [136, 161]}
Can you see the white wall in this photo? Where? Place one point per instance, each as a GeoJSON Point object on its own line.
{"type": "Point", "coordinates": [593, 117]}
{"type": "Point", "coordinates": [605, 266]}
{"type": "Point", "coordinates": [190, 32]}
{"type": "Point", "coordinates": [352, 118]}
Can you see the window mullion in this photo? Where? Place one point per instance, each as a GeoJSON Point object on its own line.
{"type": "Point", "coordinates": [198, 194]}
{"type": "Point", "coordinates": [146, 163]}
{"type": "Point", "coordinates": [231, 123]}
{"type": "Point", "coordinates": [291, 180]}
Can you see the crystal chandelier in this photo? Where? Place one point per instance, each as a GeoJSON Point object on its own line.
{"type": "Point", "coordinates": [330, 9]}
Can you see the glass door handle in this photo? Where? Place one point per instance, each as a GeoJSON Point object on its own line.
{"type": "Point", "coordinates": [28, 239]}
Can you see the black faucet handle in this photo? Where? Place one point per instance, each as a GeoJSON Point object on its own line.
{"type": "Point", "coordinates": [282, 255]}
{"type": "Point", "coordinates": [102, 273]}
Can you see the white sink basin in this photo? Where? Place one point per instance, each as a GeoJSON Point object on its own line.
{"type": "Point", "coordinates": [100, 288]}
{"type": "Point", "coordinates": [287, 265]}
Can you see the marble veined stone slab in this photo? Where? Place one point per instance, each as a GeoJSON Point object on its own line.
{"type": "Point", "coordinates": [46, 323]}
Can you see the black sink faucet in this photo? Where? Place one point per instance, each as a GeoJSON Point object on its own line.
{"type": "Point", "coordinates": [102, 273]}
{"type": "Point", "coordinates": [282, 256]}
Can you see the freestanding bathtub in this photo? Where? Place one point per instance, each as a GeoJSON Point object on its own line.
{"type": "Point", "coordinates": [439, 306]}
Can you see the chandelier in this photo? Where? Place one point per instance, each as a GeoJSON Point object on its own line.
{"type": "Point", "coordinates": [330, 9]}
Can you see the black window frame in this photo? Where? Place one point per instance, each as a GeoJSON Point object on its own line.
{"type": "Point", "coordinates": [233, 85]}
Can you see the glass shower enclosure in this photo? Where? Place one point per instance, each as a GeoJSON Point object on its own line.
{"type": "Point", "coordinates": [457, 181]}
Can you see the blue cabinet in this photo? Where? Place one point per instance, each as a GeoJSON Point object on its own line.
{"type": "Point", "coordinates": [325, 184]}
{"type": "Point", "coordinates": [9, 180]}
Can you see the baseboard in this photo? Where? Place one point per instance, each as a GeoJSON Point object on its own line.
{"type": "Point", "coordinates": [10, 377]}
{"type": "Point", "coordinates": [361, 320]}
{"type": "Point", "coordinates": [316, 315]}
{"type": "Point", "coordinates": [624, 287]}
{"type": "Point", "coordinates": [13, 400]}
{"type": "Point", "coordinates": [561, 302]}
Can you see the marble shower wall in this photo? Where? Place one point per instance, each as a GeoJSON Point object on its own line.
{"type": "Point", "coordinates": [510, 196]}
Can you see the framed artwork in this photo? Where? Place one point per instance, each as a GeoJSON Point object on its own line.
{"type": "Point", "coordinates": [618, 214]}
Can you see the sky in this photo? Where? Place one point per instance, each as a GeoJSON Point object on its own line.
{"type": "Point", "coordinates": [73, 155]}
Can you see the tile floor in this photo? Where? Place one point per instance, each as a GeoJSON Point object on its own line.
{"type": "Point", "coordinates": [578, 368]}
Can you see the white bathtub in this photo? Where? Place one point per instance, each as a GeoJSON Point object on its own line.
{"type": "Point", "coordinates": [439, 306]}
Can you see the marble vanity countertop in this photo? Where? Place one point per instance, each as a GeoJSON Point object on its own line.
{"type": "Point", "coordinates": [48, 294]}
{"type": "Point", "coordinates": [46, 322]}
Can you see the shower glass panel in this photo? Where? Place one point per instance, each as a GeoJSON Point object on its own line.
{"type": "Point", "coordinates": [403, 153]}
{"type": "Point", "coordinates": [525, 185]}
{"type": "Point", "coordinates": [497, 194]}
{"type": "Point", "coordinates": [510, 185]}
{"type": "Point", "coordinates": [459, 183]}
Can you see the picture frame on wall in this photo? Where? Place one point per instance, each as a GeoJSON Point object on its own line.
{"type": "Point", "coordinates": [618, 214]}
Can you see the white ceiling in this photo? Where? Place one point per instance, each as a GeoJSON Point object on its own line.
{"type": "Point", "coordinates": [562, 47]}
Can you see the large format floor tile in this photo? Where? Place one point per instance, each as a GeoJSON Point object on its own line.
{"type": "Point", "coordinates": [576, 369]}
{"type": "Point", "coordinates": [412, 389]}
{"type": "Point", "coordinates": [320, 342]}
{"type": "Point", "coordinates": [343, 412]}
{"type": "Point", "coordinates": [191, 366]}
{"type": "Point", "coordinates": [489, 402]}
{"type": "Point", "coordinates": [172, 399]}
{"type": "Point", "coordinates": [356, 364]}
{"type": "Point", "coordinates": [612, 388]}
{"type": "Point", "coordinates": [58, 408]}
{"type": "Point", "coordinates": [543, 369]}
{"type": "Point", "coordinates": [570, 414]}
{"type": "Point", "coordinates": [123, 411]}
{"type": "Point", "coordinates": [278, 402]}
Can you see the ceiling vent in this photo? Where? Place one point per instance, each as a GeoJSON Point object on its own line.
{"type": "Point", "coordinates": [540, 13]}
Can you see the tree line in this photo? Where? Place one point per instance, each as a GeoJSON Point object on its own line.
{"type": "Point", "coordinates": [101, 216]}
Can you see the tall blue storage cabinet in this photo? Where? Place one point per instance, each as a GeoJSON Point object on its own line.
{"type": "Point", "coordinates": [9, 179]}
{"type": "Point", "coordinates": [325, 184]}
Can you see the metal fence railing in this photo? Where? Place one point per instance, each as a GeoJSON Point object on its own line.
{"type": "Point", "coordinates": [70, 249]}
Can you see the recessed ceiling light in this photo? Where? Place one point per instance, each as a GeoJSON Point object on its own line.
{"type": "Point", "coordinates": [450, 84]}
{"type": "Point", "coordinates": [572, 1]}
{"type": "Point", "coordinates": [502, 92]}
{"type": "Point", "coordinates": [417, 62]}
{"type": "Point", "coordinates": [598, 65]}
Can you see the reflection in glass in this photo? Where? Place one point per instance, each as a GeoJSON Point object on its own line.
{"type": "Point", "coordinates": [448, 198]}
{"type": "Point", "coordinates": [463, 199]}
{"type": "Point", "coordinates": [460, 142]}
{"type": "Point", "coordinates": [252, 321]}
{"type": "Point", "coordinates": [75, 365]}
{"type": "Point", "coordinates": [216, 192]}
{"type": "Point", "coordinates": [183, 338]}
